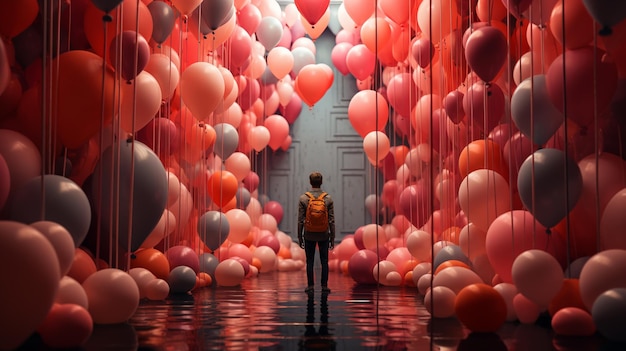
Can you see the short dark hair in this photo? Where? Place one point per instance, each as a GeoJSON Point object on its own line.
{"type": "Point", "coordinates": [316, 179]}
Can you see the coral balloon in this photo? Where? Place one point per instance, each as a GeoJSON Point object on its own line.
{"type": "Point", "coordinates": [368, 112]}
{"type": "Point", "coordinates": [202, 88]}
{"type": "Point", "coordinates": [82, 93]}
{"type": "Point", "coordinates": [113, 296]}
{"type": "Point", "coordinates": [222, 187]}
{"type": "Point", "coordinates": [480, 308]}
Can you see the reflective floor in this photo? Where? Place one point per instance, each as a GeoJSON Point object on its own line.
{"type": "Point", "coordinates": [271, 312]}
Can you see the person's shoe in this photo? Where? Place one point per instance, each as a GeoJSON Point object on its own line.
{"type": "Point", "coordinates": [325, 290]}
{"type": "Point", "coordinates": [309, 290]}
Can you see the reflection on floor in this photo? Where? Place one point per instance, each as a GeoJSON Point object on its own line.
{"type": "Point", "coordinates": [272, 312]}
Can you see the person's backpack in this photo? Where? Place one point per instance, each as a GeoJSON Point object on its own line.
{"type": "Point", "coordinates": [316, 219]}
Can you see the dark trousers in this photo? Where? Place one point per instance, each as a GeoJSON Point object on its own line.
{"type": "Point", "coordinates": [309, 249]}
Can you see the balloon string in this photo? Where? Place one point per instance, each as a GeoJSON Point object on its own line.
{"type": "Point", "coordinates": [105, 19]}
{"type": "Point", "coordinates": [43, 117]}
{"type": "Point", "coordinates": [566, 135]}
{"type": "Point", "coordinates": [596, 125]}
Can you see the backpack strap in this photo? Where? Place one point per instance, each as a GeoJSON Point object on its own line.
{"type": "Point", "coordinates": [309, 195]}
{"type": "Point", "coordinates": [322, 195]}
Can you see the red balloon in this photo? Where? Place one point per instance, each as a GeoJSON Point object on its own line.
{"type": "Point", "coordinates": [484, 104]}
{"type": "Point", "coordinates": [480, 308]}
{"type": "Point", "coordinates": [66, 326]}
{"type": "Point", "coordinates": [275, 209]}
{"type": "Point", "coordinates": [361, 266]}
{"type": "Point", "coordinates": [576, 86]}
{"type": "Point", "coordinates": [486, 51]}
{"type": "Point", "coordinates": [312, 10]}
{"type": "Point", "coordinates": [222, 187]}
{"type": "Point", "coordinates": [134, 52]}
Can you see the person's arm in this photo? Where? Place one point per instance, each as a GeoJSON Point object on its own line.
{"type": "Point", "coordinates": [331, 221]}
{"type": "Point", "coordinates": [301, 217]}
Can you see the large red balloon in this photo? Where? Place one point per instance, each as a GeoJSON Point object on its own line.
{"type": "Point", "coordinates": [581, 84]}
{"type": "Point", "coordinates": [486, 51]}
{"type": "Point", "coordinates": [312, 10]}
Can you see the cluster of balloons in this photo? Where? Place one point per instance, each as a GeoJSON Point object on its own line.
{"type": "Point", "coordinates": [504, 110]}
{"type": "Point", "coordinates": [134, 133]}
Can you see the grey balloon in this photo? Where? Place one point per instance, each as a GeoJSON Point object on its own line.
{"type": "Point", "coordinates": [608, 313]}
{"type": "Point", "coordinates": [115, 178]}
{"type": "Point", "coordinates": [213, 228]}
{"type": "Point", "coordinates": [61, 200]}
{"type": "Point", "coordinates": [243, 197]}
{"type": "Point", "coordinates": [226, 140]}
{"type": "Point", "coordinates": [208, 264]}
{"type": "Point", "coordinates": [163, 20]}
{"type": "Point", "coordinates": [544, 174]}
{"type": "Point", "coordinates": [181, 280]}
{"type": "Point", "coordinates": [450, 252]}
{"type": "Point", "coordinates": [217, 12]}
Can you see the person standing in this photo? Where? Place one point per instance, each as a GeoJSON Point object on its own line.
{"type": "Point", "coordinates": [315, 231]}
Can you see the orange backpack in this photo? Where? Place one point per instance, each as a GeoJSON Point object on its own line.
{"type": "Point", "coordinates": [316, 219]}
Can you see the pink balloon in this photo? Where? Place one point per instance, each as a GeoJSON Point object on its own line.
{"type": "Point", "coordinates": [361, 266]}
{"type": "Point", "coordinates": [270, 241]}
{"type": "Point", "coordinates": [240, 225]}
{"type": "Point", "coordinates": [142, 101]}
{"type": "Point", "coordinates": [229, 272]}
{"type": "Point", "coordinates": [292, 110]}
{"type": "Point", "coordinates": [368, 112]}
{"type": "Point", "coordinates": [348, 36]}
{"type": "Point", "coordinates": [28, 261]}
{"type": "Point", "coordinates": [202, 88]}
{"type": "Point", "coordinates": [251, 181]}
{"type": "Point", "coordinates": [413, 203]}
{"type": "Point", "coordinates": [280, 61]}
{"type": "Point", "coordinates": [589, 89]}
{"type": "Point", "coordinates": [338, 56]}
{"type": "Point", "coordinates": [483, 196]}
{"type": "Point", "coordinates": [599, 274]}
{"type": "Point", "coordinates": [249, 18]}
{"type": "Point", "coordinates": [526, 310]}
{"type": "Point", "coordinates": [113, 296]}
{"type": "Point", "coordinates": [402, 93]}
{"type": "Point", "coordinates": [249, 94]}
{"type": "Point", "coordinates": [279, 130]}
{"type": "Point", "coordinates": [360, 61]}
{"type": "Point", "coordinates": [275, 209]}
{"type": "Point", "coordinates": [513, 233]}
{"type": "Point", "coordinates": [537, 275]}
{"type": "Point", "coordinates": [359, 10]}
{"type": "Point", "coordinates": [240, 45]}
{"type": "Point", "coordinates": [422, 51]}
{"type": "Point", "coordinates": [612, 222]}
{"type": "Point", "coordinates": [241, 251]}
{"type": "Point", "coordinates": [181, 255]}
{"type": "Point", "coordinates": [484, 104]}
{"type": "Point", "coordinates": [346, 249]}
{"type": "Point", "coordinates": [485, 51]}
